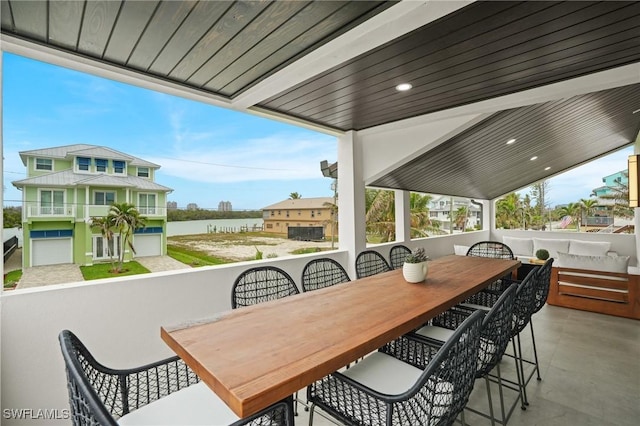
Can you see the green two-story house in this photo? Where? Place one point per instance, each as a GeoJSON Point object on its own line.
{"type": "Point", "coordinates": [68, 185]}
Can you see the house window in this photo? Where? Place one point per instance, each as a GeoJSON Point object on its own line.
{"type": "Point", "coordinates": [299, 212]}
{"type": "Point", "coordinates": [279, 212]}
{"type": "Point", "coordinates": [287, 213]}
{"type": "Point", "coordinates": [104, 198]}
{"type": "Point", "coordinates": [51, 202]}
{"type": "Point", "coordinates": [147, 203]}
{"type": "Point", "coordinates": [313, 213]}
{"type": "Point", "coordinates": [269, 225]}
{"type": "Point", "coordinates": [143, 172]}
{"type": "Point", "coordinates": [101, 165]}
{"type": "Point", "coordinates": [118, 167]}
{"type": "Point", "coordinates": [84, 163]}
{"type": "Point", "coordinates": [104, 248]}
{"type": "Point", "coordinates": [273, 212]}
{"type": "Point", "coordinates": [319, 212]}
{"type": "Point", "coordinates": [44, 164]}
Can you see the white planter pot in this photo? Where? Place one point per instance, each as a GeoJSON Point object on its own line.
{"type": "Point", "coordinates": [415, 272]}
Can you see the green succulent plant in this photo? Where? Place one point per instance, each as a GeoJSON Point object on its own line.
{"type": "Point", "coordinates": [417, 256]}
{"type": "Point", "coordinates": [542, 254]}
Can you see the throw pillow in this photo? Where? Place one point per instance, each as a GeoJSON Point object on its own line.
{"type": "Point", "coordinates": [593, 263]}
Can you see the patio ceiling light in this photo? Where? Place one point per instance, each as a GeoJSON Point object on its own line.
{"type": "Point", "coordinates": [547, 168]}
{"type": "Point", "coordinates": [403, 87]}
{"type": "Point", "coordinates": [535, 157]}
{"type": "Point", "coordinates": [510, 141]}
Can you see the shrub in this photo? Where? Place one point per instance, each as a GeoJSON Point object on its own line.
{"type": "Point", "coordinates": [542, 254]}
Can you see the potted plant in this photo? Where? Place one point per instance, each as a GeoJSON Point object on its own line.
{"type": "Point", "coordinates": [542, 254]}
{"type": "Point", "coordinates": [415, 267]}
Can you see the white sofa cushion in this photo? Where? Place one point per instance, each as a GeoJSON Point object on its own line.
{"type": "Point", "coordinates": [460, 250]}
{"type": "Point", "coordinates": [589, 248]}
{"type": "Point", "coordinates": [519, 246]}
{"type": "Point", "coordinates": [553, 246]}
{"type": "Point", "coordinates": [194, 405]}
{"type": "Point", "coordinates": [593, 263]}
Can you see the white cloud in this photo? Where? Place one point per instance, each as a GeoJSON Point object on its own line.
{"type": "Point", "coordinates": [283, 156]}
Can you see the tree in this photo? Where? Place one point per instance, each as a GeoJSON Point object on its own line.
{"type": "Point", "coordinates": [294, 196]}
{"type": "Point", "coordinates": [587, 206]}
{"type": "Point", "coordinates": [507, 210]}
{"type": "Point", "coordinates": [126, 219]}
{"type": "Point", "coordinates": [12, 217]}
{"type": "Point", "coordinates": [539, 193]}
{"type": "Point", "coordinates": [460, 217]}
{"type": "Point", "coordinates": [572, 210]}
{"type": "Point", "coordinates": [105, 225]}
{"type": "Point", "coordinates": [620, 196]}
{"type": "Point", "coordinates": [381, 220]}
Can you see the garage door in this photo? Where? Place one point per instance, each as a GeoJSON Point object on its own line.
{"type": "Point", "coordinates": [51, 251]}
{"type": "Point", "coordinates": [148, 245]}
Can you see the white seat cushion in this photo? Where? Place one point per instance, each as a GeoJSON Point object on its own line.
{"type": "Point", "coordinates": [195, 405]}
{"type": "Point", "coordinates": [436, 333]}
{"type": "Point", "coordinates": [384, 373]}
{"type": "Point", "coordinates": [519, 246]}
{"type": "Point", "coordinates": [460, 250]}
{"type": "Point", "coordinates": [589, 248]}
{"type": "Point", "coordinates": [594, 263]}
{"type": "Point", "coordinates": [476, 307]}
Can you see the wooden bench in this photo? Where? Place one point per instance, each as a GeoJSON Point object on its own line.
{"type": "Point", "coordinates": [602, 292]}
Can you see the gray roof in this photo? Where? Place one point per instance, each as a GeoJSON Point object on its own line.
{"type": "Point", "coordinates": [85, 150]}
{"type": "Point", "coordinates": [301, 204]}
{"type": "Point", "coordinates": [67, 178]}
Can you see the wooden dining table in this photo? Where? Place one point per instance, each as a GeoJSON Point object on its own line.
{"type": "Point", "coordinates": [255, 356]}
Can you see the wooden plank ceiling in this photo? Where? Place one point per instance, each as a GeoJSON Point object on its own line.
{"type": "Point", "coordinates": [484, 50]}
{"type": "Point", "coordinates": [479, 163]}
{"type": "Point", "coordinates": [220, 47]}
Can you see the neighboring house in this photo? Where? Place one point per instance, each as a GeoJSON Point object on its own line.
{"type": "Point", "coordinates": [67, 185]}
{"type": "Point", "coordinates": [614, 185]}
{"type": "Point", "coordinates": [440, 209]}
{"type": "Point", "coordinates": [300, 213]}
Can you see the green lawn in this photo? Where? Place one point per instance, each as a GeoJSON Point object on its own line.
{"type": "Point", "coordinates": [194, 258]}
{"type": "Point", "coordinates": [12, 278]}
{"type": "Point", "coordinates": [103, 270]}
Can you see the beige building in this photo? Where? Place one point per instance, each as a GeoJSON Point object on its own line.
{"type": "Point", "coordinates": [302, 218]}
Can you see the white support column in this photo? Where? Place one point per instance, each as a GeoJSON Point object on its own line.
{"type": "Point", "coordinates": [403, 216]}
{"type": "Point", "coordinates": [351, 200]}
{"type": "Point", "coordinates": [489, 216]}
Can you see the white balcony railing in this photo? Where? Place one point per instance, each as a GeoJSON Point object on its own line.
{"type": "Point", "coordinates": [100, 210]}
{"type": "Point", "coordinates": [48, 210]}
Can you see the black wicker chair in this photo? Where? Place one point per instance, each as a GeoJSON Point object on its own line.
{"type": "Point", "coordinates": [321, 273]}
{"type": "Point", "coordinates": [494, 338]}
{"type": "Point", "coordinates": [541, 293]}
{"type": "Point", "coordinates": [405, 383]}
{"type": "Point", "coordinates": [261, 284]}
{"type": "Point", "coordinates": [370, 262]}
{"type": "Point", "coordinates": [397, 255]}
{"type": "Point", "coordinates": [494, 250]}
{"type": "Point", "coordinates": [523, 307]}
{"type": "Point", "coordinates": [166, 392]}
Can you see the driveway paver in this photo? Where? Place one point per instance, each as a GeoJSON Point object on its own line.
{"type": "Point", "coordinates": [161, 263]}
{"type": "Point", "coordinates": [37, 276]}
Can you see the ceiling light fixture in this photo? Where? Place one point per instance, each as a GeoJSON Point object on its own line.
{"type": "Point", "coordinates": [403, 87]}
{"type": "Point", "coordinates": [547, 168]}
{"type": "Point", "coordinates": [510, 141]}
{"type": "Point", "coordinates": [535, 157]}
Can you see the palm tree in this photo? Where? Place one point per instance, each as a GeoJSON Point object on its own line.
{"type": "Point", "coordinates": [460, 217]}
{"type": "Point", "coordinates": [507, 210]}
{"type": "Point", "coordinates": [125, 218]}
{"type": "Point", "coordinates": [587, 206]}
{"type": "Point", "coordinates": [105, 225]}
{"type": "Point", "coordinates": [294, 196]}
{"type": "Point", "coordinates": [572, 210]}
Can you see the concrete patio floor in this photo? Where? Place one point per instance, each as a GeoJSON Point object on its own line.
{"type": "Point", "coordinates": [589, 373]}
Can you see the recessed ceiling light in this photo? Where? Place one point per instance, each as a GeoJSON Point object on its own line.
{"type": "Point", "coordinates": [510, 141]}
{"type": "Point", "coordinates": [403, 87]}
{"type": "Point", "coordinates": [535, 157]}
{"type": "Point", "coordinates": [547, 168]}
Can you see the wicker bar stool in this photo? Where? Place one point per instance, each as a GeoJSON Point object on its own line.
{"type": "Point", "coordinates": [166, 392]}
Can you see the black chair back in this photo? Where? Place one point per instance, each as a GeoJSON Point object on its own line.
{"type": "Point", "coordinates": [370, 262]}
{"type": "Point", "coordinates": [397, 255]}
{"type": "Point", "coordinates": [493, 249]}
{"type": "Point", "coordinates": [542, 285]}
{"type": "Point", "coordinates": [321, 273]}
{"type": "Point", "coordinates": [261, 284]}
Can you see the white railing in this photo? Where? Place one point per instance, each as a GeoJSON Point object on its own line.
{"type": "Point", "coordinates": [153, 211]}
{"type": "Point", "coordinates": [101, 210]}
{"type": "Point", "coordinates": [48, 210]}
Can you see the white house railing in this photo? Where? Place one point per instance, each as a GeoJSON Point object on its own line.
{"type": "Point", "coordinates": [49, 210]}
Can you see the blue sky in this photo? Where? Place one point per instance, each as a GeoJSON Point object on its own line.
{"type": "Point", "coordinates": [208, 154]}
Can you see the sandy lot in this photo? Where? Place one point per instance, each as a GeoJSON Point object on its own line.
{"type": "Point", "coordinates": [246, 249]}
